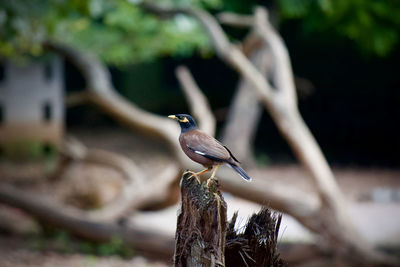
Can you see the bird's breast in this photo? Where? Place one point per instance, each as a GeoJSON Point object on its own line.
{"type": "Point", "coordinates": [193, 155]}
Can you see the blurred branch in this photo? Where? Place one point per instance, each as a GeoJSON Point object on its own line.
{"type": "Point", "coordinates": [74, 149]}
{"type": "Point", "coordinates": [137, 192]}
{"type": "Point", "coordinates": [215, 32]}
{"type": "Point", "coordinates": [135, 197]}
{"type": "Point", "coordinates": [198, 103]}
{"type": "Point", "coordinates": [245, 109]}
{"type": "Point", "coordinates": [282, 74]}
{"type": "Point", "coordinates": [283, 198]}
{"type": "Point", "coordinates": [235, 20]}
{"type": "Point", "coordinates": [228, 52]}
{"type": "Point", "coordinates": [76, 99]}
{"type": "Point", "coordinates": [102, 93]}
{"type": "Point", "coordinates": [149, 242]}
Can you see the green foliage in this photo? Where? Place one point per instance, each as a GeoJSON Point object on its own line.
{"type": "Point", "coordinates": [263, 159]}
{"type": "Point", "coordinates": [374, 25]}
{"type": "Point", "coordinates": [118, 31]}
{"type": "Point", "coordinates": [121, 33]}
{"type": "Point", "coordinates": [114, 247]}
{"type": "Point", "coordinates": [125, 35]}
{"type": "Point", "coordinates": [25, 24]}
{"type": "Point", "coordinates": [61, 241]}
{"type": "Point", "coordinates": [30, 150]}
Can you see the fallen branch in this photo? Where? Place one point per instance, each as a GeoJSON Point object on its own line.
{"type": "Point", "coordinates": [138, 191]}
{"type": "Point", "coordinates": [147, 242]}
{"type": "Point", "coordinates": [77, 151]}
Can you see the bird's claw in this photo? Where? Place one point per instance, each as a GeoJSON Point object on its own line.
{"type": "Point", "coordinates": [193, 174]}
{"type": "Point", "coordinates": [209, 180]}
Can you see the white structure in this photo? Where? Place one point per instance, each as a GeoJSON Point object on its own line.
{"type": "Point", "coordinates": [32, 103]}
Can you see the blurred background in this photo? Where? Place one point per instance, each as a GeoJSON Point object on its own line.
{"type": "Point", "coordinates": [60, 142]}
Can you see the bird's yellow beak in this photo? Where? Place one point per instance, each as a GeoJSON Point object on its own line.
{"type": "Point", "coordinates": [173, 117]}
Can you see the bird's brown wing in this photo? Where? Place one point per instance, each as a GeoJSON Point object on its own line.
{"type": "Point", "coordinates": [203, 144]}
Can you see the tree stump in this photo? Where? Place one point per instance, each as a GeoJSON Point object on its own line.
{"type": "Point", "coordinates": [201, 226]}
{"type": "Point", "coordinates": [204, 237]}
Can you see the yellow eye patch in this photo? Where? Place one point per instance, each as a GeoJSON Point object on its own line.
{"type": "Point", "coordinates": [184, 120]}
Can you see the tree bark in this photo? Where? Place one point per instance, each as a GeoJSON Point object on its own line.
{"type": "Point", "coordinates": [204, 238]}
{"type": "Point", "coordinates": [256, 245]}
{"type": "Point", "coordinates": [201, 228]}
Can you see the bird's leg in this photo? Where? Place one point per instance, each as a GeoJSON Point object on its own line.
{"type": "Point", "coordinates": [193, 174]}
{"type": "Point", "coordinates": [204, 171]}
{"type": "Point", "coordinates": [197, 174]}
{"type": "Point", "coordinates": [213, 174]}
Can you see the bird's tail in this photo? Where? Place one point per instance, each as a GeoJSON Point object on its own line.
{"type": "Point", "coordinates": [241, 172]}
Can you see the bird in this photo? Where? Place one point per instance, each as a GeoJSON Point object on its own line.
{"type": "Point", "coordinates": [205, 149]}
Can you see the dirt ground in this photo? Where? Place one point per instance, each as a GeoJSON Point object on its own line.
{"type": "Point", "coordinates": [362, 185]}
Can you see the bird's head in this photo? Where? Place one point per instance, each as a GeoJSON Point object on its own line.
{"type": "Point", "coordinates": [186, 122]}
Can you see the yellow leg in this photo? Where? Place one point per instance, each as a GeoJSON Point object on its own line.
{"type": "Point", "coordinates": [197, 174]}
{"type": "Point", "coordinates": [213, 174]}
{"type": "Point", "coordinates": [204, 171]}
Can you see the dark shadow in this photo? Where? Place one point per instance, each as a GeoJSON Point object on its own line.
{"type": "Point", "coordinates": [1, 114]}
{"type": "Point", "coordinates": [47, 149]}
{"type": "Point", "coordinates": [47, 111]}
{"type": "Point", "coordinates": [48, 72]}
{"type": "Point", "coordinates": [2, 72]}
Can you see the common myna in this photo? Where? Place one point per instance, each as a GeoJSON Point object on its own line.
{"type": "Point", "coordinates": [205, 149]}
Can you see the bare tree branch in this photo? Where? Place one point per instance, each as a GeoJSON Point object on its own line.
{"type": "Point", "coordinates": [76, 99]}
{"type": "Point", "coordinates": [283, 74]}
{"type": "Point", "coordinates": [236, 20]}
{"type": "Point", "coordinates": [223, 47]}
{"type": "Point", "coordinates": [102, 93]}
{"type": "Point", "coordinates": [139, 191]}
{"type": "Point", "coordinates": [149, 242]}
{"type": "Point", "coordinates": [245, 110]}
{"type": "Point", "coordinates": [198, 103]}
{"type": "Point", "coordinates": [75, 150]}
